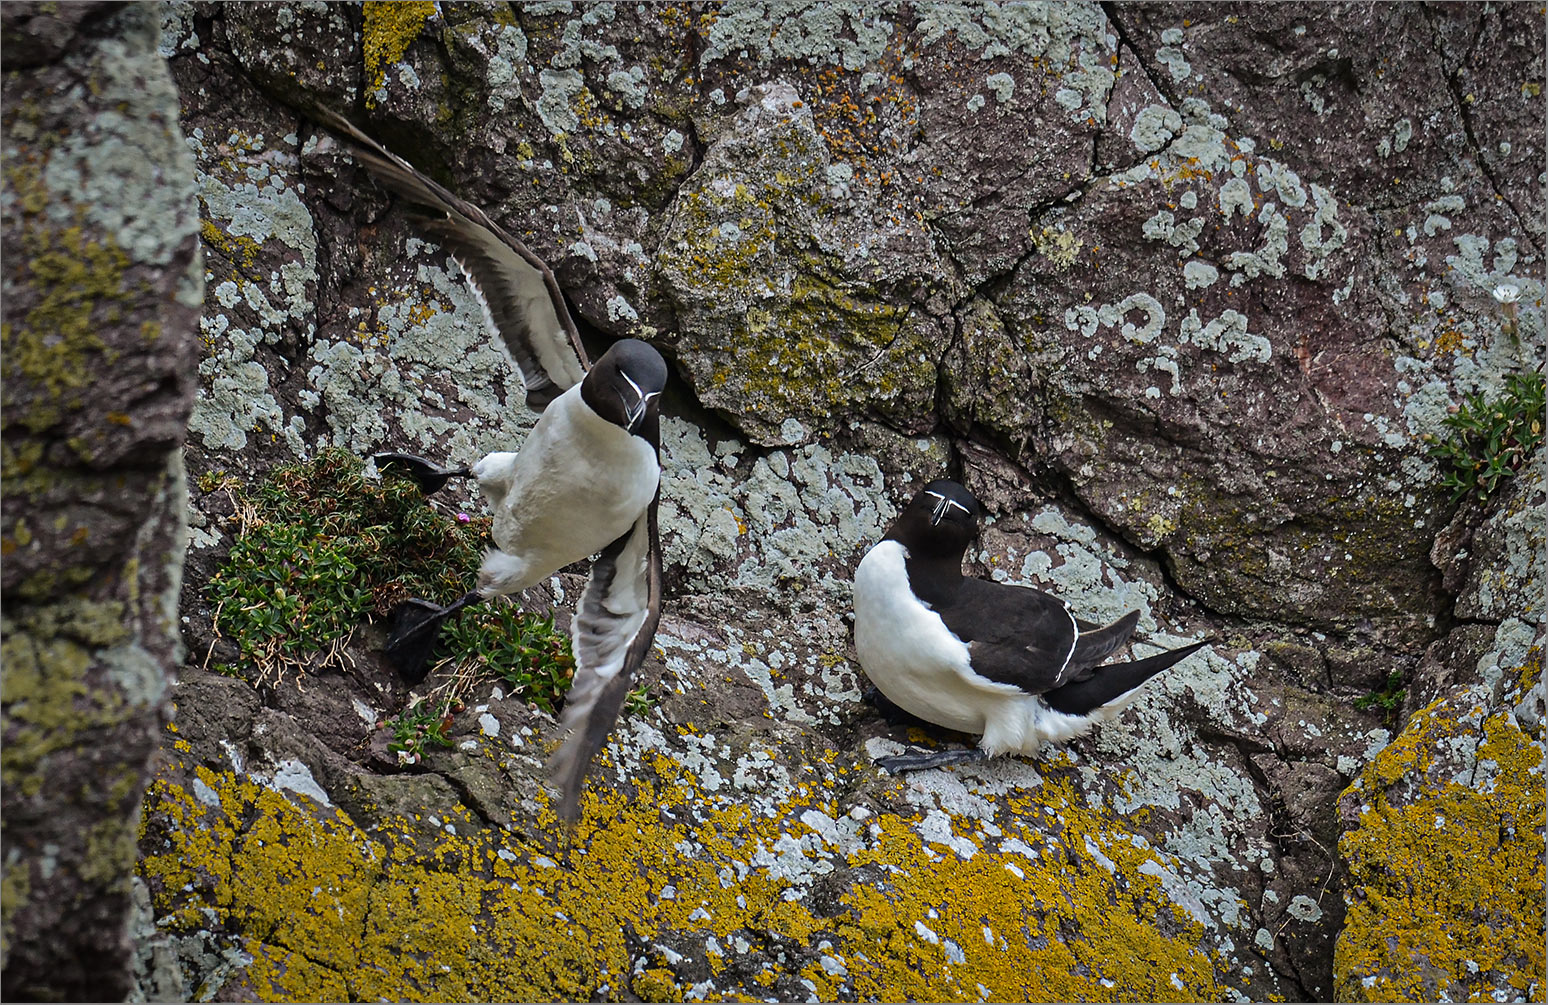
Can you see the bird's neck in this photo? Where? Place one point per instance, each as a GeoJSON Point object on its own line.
{"type": "Point", "coordinates": [934, 578]}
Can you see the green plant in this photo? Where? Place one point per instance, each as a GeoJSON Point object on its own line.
{"type": "Point", "coordinates": [420, 724]}
{"type": "Point", "coordinates": [638, 701]}
{"type": "Point", "coordinates": [1388, 699]}
{"type": "Point", "coordinates": [320, 548]}
{"type": "Point", "coordinates": [1491, 438]}
{"type": "Point", "coordinates": [520, 648]}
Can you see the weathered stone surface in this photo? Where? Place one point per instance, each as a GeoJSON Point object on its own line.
{"type": "Point", "coordinates": [1139, 275]}
{"type": "Point", "coordinates": [1444, 845]}
{"type": "Point", "coordinates": [1445, 829]}
{"type": "Point", "coordinates": [102, 286]}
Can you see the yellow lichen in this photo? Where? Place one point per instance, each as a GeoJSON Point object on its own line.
{"type": "Point", "coordinates": [1060, 247]}
{"type": "Point", "coordinates": [390, 28]}
{"type": "Point", "coordinates": [469, 912]}
{"type": "Point", "coordinates": [1447, 878]}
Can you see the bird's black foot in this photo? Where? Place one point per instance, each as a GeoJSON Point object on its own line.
{"type": "Point", "coordinates": [428, 476]}
{"type": "Point", "coordinates": [892, 712]}
{"type": "Point", "coordinates": [415, 624]}
{"type": "Point", "coordinates": [899, 763]}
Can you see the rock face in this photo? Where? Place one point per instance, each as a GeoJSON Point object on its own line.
{"type": "Point", "coordinates": [1443, 829]}
{"type": "Point", "coordinates": [102, 290]}
{"type": "Point", "coordinates": [1176, 290]}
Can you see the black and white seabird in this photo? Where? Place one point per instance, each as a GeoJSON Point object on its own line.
{"type": "Point", "coordinates": [586, 479]}
{"type": "Point", "coordinates": [1010, 663]}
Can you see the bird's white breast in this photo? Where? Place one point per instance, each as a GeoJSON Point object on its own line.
{"type": "Point", "coordinates": [910, 654]}
{"type": "Point", "coordinates": [577, 484]}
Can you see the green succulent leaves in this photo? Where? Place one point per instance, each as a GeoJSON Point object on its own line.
{"type": "Point", "coordinates": [1491, 438]}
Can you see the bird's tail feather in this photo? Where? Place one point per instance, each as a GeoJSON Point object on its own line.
{"type": "Point", "coordinates": [1092, 647]}
{"type": "Point", "coordinates": [1112, 682]}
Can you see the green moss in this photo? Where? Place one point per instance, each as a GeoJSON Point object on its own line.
{"type": "Point", "coordinates": [110, 852]}
{"type": "Point", "coordinates": [48, 706]}
{"type": "Point", "coordinates": [817, 346]}
{"type": "Point", "coordinates": [55, 350]}
{"type": "Point", "coordinates": [322, 548]}
{"type": "Point", "coordinates": [1447, 879]}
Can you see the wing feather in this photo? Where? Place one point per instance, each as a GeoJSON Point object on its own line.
{"type": "Point", "coordinates": [519, 292]}
{"type": "Point", "coordinates": [1016, 635]}
{"type": "Point", "coordinates": [612, 633]}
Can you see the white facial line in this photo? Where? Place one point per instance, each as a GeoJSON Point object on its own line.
{"type": "Point", "coordinates": [634, 413]}
{"type": "Point", "coordinates": [944, 502]}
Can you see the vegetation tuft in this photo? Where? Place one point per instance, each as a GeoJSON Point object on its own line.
{"type": "Point", "coordinates": [1491, 439]}
{"type": "Point", "coordinates": [1387, 700]}
{"type": "Point", "coordinates": [422, 723]}
{"type": "Point", "coordinates": [321, 548]}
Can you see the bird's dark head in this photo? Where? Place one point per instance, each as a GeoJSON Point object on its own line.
{"type": "Point", "coordinates": [624, 385]}
{"type": "Point", "coordinates": [940, 521]}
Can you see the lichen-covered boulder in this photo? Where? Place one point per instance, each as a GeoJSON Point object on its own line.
{"type": "Point", "coordinates": [1139, 275]}
{"type": "Point", "coordinates": [101, 292]}
{"type": "Point", "coordinates": [1444, 830]}
{"type": "Point", "coordinates": [1445, 845]}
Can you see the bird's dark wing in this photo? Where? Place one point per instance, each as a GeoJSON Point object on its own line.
{"type": "Point", "coordinates": [1110, 683]}
{"type": "Point", "coordinates": [1015, 635]}
{"type": "Point", "coordinates": [611, 634]}
{"type": "Point", "coordinates": [1097, 643]}
{"type": "Point", "coordinates": [519, 292]}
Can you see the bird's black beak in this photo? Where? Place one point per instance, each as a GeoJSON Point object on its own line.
{"type": "Point", "coordinates": [635, 412]}
{"type": "Point", "coordinates": [938, 513]}
{"type": "Point", "coordinates": [632, 413]}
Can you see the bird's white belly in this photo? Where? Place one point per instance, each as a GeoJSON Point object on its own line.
{"type": "Point", "coordinates": [913, 658]}
{"type": "Point", "coordinates": [908, 652]}
{"type": "Point", "coordinates": [578, 483]}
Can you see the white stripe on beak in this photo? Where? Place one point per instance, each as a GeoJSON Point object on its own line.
{"type": "Point", "coordinates": [939, 512]}
{"type": "Point", "coordinates": [635, 412]}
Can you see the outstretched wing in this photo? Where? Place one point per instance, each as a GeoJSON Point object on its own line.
{"type": "Point", "coordinates": [611, 634]}
{"type": "Point", "coordinates": [520, 294]}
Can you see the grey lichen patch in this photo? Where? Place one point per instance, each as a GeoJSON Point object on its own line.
{"type": "Point", "coordinates": [1171, 55]}
{"type": "Point", "coordinates": [262, 232]}
{"type": "Point", "coordinates": [848, 33]}
{"type": "Point", "coordinates": [776, 293]}
{"type": "Point", "coordinates": [555, 105]}
{"type": "Point", "coordinates": [1154, 127]}
{"type": "Point", "coordinates": [1507, 564]}
{"type": "Point", "coordinates": [1323, 233]}
{"type": "Point", "coordinates": [1077, 567]}
{"type": "Point", "coordinates": [427, 375]}
{"type": "Point", "coordinates": [1227, 335]}
{"type": "Point", "coordinates": [1199, 274]}
{"type": "Point", "coordinates": [792, 518]}
{"type": "Point", "coordinates": [117, 171]}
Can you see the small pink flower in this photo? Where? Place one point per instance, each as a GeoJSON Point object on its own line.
{"type": "Point", "coordinates": [464, 518]}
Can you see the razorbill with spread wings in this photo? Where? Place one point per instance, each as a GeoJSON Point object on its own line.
{"type": "Point", "coordinates": [1010, 663]}
{"type": "Point", "coordinates": [586, 479]}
